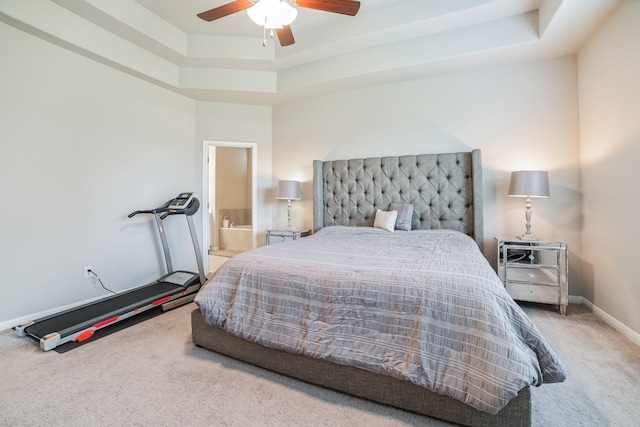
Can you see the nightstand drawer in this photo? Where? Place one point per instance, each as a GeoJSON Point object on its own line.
{"type": "Point", "coordinates": [537, 275]}
{"type": "Point", "coordinates": [534, 293]}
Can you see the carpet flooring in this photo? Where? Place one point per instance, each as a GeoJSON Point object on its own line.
{"type": "Point", "coordinates": [151, 374]}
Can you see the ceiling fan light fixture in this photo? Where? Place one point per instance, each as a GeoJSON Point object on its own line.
{"type": "Point", "coordinates": [273, 14]}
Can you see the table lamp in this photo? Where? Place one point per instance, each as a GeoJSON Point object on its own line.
{"type": "Point", "coordinates": [289, 190]}
{"type": "Point", "coordinates": [529, 184]}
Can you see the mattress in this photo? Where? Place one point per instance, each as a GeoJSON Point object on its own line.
{"type": "Point", "coordinates": [422, 306]}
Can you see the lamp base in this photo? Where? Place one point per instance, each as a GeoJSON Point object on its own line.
{"type": "Point", "coordinates": [528, 238]}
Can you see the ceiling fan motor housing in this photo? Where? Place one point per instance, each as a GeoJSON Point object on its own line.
{"type": "Point", "coordinates": [278, 14]}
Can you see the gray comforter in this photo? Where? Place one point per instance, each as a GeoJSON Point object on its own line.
{"type": "Point", "coordinates": [423, 306]}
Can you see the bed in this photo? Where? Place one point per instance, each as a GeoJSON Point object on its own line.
{"type": "Point", "coordinates": [413, 317]}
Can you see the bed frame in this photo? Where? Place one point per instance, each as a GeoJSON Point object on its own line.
{"type": "Point", "coordinates": [446, 192]}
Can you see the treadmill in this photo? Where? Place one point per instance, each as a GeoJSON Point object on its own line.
{"type": "Point", "coordinates": [174, 289]}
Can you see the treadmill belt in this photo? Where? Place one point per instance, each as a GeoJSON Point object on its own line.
{"type": "Point", "coordinates": [114, 327]}
{"type": "Point", "coordinates": [94, 312]}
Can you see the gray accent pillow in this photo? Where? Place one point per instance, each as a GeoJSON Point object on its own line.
{"type": "Point", "coordinates": [405, 213]}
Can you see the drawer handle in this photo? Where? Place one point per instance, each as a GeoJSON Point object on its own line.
{"type": "Point", "coordinates": [532, 275]}
{"type": "Point", "coordinates": [531, 293]}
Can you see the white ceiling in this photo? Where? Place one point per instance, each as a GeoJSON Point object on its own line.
{"type": "Point", "coordinates": [164, 42]}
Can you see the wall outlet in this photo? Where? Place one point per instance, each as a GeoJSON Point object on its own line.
{"type": "Point", "coordinates": [87, 271]}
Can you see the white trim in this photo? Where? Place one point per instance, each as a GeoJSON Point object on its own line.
{"type": "Point", "coordinates": [574, 299]}
{"type": "Point", "coordinates": [206, 234]}
{"type": "Point", "coordinates": [611, 321]}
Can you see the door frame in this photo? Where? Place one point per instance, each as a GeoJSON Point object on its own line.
{"type": "Point", "coordinates": [206, 179]}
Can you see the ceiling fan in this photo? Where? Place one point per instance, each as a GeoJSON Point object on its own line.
{"type": "Point", "coordinates": [278, 14]}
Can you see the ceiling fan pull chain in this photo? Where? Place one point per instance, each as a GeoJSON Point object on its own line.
{"type": "Point", "coordinates": [264, 33]}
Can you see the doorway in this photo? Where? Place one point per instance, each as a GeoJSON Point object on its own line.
{"type": "Point", "coordinates": [229, 195]}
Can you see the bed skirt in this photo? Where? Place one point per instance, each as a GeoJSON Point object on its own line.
{"type": "Point", "coordinates": [358, 382]}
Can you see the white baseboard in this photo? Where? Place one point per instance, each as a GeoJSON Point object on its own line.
{"type": "Point", "coordinates": [608, 319]}
{"type": "Point", "coordinates": [573, 299]}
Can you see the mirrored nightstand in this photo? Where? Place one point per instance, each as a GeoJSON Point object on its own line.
{"type": "Point", "coordinates": [534, 271]}
{"type": "Point", "coordinates": [276, 236]}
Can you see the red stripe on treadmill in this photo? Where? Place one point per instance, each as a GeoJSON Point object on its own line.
{"type": "Point", "coordinates": [161, 300]}
{"type": "Point", "coordinates": [84, 335]}
{"type": "Point", "coordinates": [105, 322]}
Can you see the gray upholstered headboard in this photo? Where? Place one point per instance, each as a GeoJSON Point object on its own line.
{"type": "Point", "coordinates": [445, 190]}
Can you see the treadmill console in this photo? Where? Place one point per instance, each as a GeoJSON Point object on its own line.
{"type": "Point", "coordinates": [182, 201]}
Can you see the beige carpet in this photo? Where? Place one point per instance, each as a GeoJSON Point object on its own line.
{"type": "Point", "coordinates": [151, 374]}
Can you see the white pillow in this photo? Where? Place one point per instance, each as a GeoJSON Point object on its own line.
{"type": "Point", "coordinates": [385, 220]}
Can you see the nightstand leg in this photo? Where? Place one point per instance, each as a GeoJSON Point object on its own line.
{"type": "Point", "coordinates": [563, 309]}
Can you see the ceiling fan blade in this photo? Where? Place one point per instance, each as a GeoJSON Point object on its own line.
{"type": "Point", "coordinates": [345, 7]}
{"type": "Point", "coordinates": [225, 10]}
{"type": "Point", "coordinates": [285, 35]}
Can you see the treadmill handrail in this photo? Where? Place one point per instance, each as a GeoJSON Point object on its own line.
{"type": "Point", "coordinates": [160, 213]}
{"type": "Point", "coordinates": [189, 210]}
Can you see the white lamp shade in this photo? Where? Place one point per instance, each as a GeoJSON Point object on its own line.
{"type": "Point", "coordinates": [272, 13]}
{"type": "Point", "coordinates": [289, 190]}
{"type": "Point", "coordinates": [529, 184]}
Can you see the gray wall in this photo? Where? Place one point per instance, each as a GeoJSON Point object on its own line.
{"type": "Point", "coordinates": [83, 145]}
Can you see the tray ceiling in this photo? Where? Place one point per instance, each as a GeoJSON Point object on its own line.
{"type": "Point", "coordinates": [163, 42]}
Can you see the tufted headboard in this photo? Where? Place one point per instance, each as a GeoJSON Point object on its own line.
{"type": "Point", "coordinates": [445, 190]}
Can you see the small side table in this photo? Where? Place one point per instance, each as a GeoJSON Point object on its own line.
{"type": "Point", "coordinates": [534, 271]}
{"type": "Point", "coordinates": [276, 236]}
